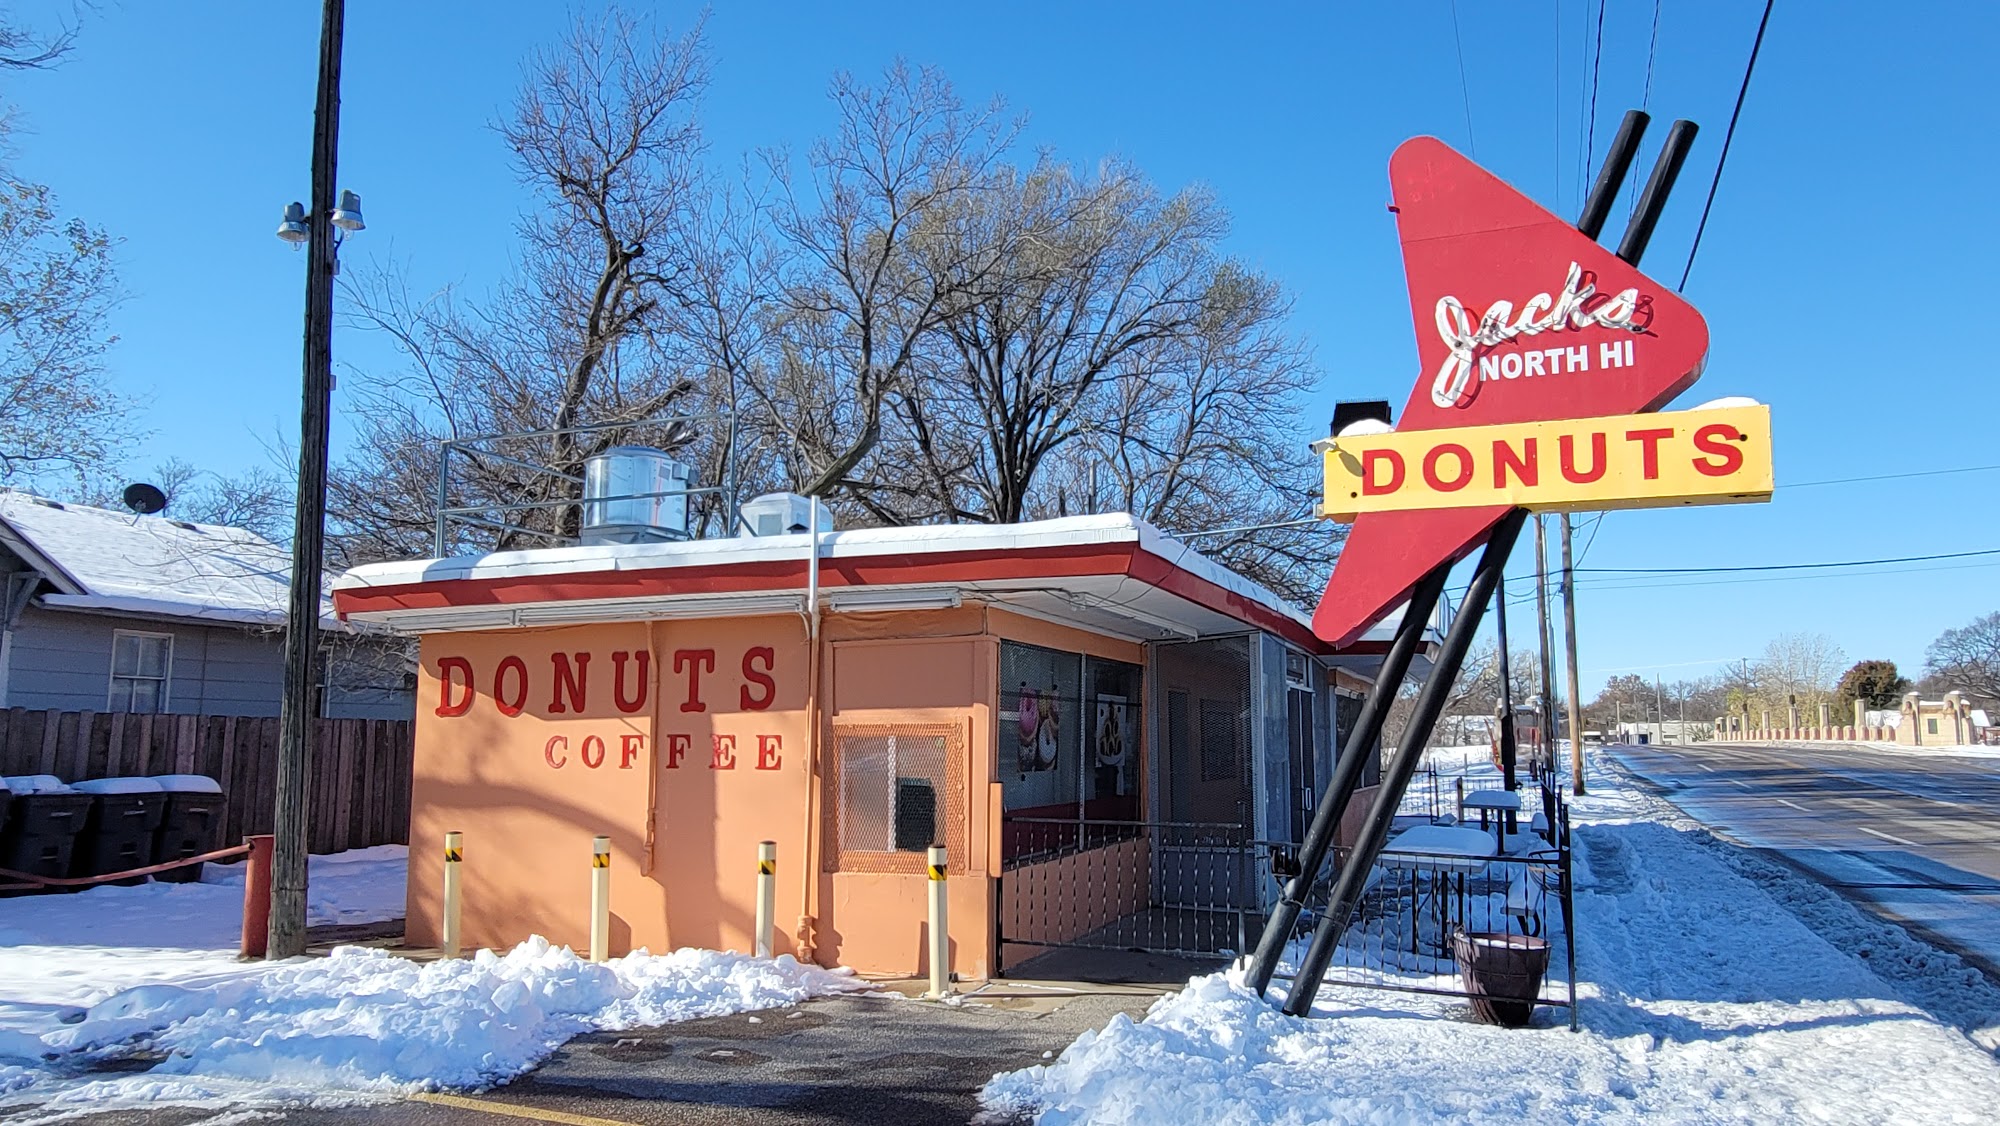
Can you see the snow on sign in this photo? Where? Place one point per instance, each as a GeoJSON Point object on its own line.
{"type": "Point", "coordinates": [1625, 461]}
{"type": "Point", "coordinates": [1520, 318]}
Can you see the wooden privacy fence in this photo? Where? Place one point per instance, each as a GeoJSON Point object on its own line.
{"type": "Point", "coordinates": [358, 795]}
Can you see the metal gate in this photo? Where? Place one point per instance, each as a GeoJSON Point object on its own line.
{"type": "Point", "coordinates": [1186, 888]}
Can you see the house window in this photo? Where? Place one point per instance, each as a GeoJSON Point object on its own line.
{"type": "Point", "coordinates": [1931, 726]}
{"type": "Point", "coordinates": [140, 665]}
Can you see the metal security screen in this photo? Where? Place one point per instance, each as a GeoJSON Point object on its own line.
{"type": "Point", "coordinates": [893, 792]}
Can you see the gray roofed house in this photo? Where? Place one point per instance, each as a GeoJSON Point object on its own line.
{"type": "Point", "coordinates": [108, 611]}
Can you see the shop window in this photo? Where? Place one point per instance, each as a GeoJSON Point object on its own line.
{"type": "Point", "coordinates": [1070, 743]}
{"type": "Point", "coordinates": [140, 666]}
{"type": "Point", "coordinates": [1071, 750]}
{"type": "Point", "coordinates": [893, 791]}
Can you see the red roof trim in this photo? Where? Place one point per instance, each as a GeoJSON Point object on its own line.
{"type": "Point", "coordinates": [748, 576]}
{"type": "Point", "coordinates": [773, 575]}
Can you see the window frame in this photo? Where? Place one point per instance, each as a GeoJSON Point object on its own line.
{"type": "Point", "coordinates": [165, 679]}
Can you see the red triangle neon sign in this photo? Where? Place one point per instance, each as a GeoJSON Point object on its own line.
{"type": "Point", "coordinates": [1519, 317]}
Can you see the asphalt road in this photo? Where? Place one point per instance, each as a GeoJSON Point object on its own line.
{"type": "Point", "coordinates": [1913, 837]}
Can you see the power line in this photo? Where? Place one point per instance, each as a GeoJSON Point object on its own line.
{"type": "Point", "coordinates": [1785, 566]}
{"type": "Point", "coordinates": [1464, 94]}
{"type": "Point", "coordinates": [1645, 101]}
{"type": "Point", "coordinates": [1594, 526]}
{"type": "Point", "coordinates": [1556, 49]}
{"type": "Point", "coordinates": [1727, 136]}
{"type": "Point", "coordinates": [1890, 476]}
{"type": "Point", "coordinates": [1613, 586]}
{"type": "Point", "coordinates": [1590, 126]}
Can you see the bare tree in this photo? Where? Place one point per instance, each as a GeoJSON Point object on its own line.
{"type": "Point", "coordinates": [1968, 659]}
{"type": "Point", "coordinates": [58, 286]}
{"type": "Point", "coordinates": [1473, 702]}
{"type": "Point", "coordinates": [25, 48]}
{"type": "Point", "coordinates": [1801, 668]}
{"type": "Point", "coordinates": [1207, 435]}
{"type": "Point", "coordinates": [258, 500]}
{"type": "Point", "coordinates": [872, 268]}
{"type": "Point", "coordinates": [604, 137]}
{"type": "Point", "coordinates": [1096, 271]}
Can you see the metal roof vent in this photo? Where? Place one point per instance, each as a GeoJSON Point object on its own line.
{"type": "Point", "coordinates": [634, 494]}
{"type": "Point", "coordinates": [783, 514]}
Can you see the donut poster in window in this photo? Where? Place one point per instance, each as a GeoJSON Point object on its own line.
{"type": "Point", "coordinates": [1038, 729]}
{"type": "Point", "coordinates": [1113, 738]}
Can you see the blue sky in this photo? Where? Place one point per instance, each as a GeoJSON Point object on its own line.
{"type": "Point", "coordinates": [1842, 273]}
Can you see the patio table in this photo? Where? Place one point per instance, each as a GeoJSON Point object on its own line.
{"type": "Point", "coordinates": [1449, 851]}
{"type": "Point", "coordinates": [1489, 802]}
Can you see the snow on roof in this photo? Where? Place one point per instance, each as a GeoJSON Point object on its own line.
{"type": "Point", "coordinates": [856, 543]}
{"type": "Point", "coordinates": [116, 562]}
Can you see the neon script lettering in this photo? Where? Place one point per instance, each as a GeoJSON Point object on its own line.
{"type": "Point", "coordinates": [1578, 306]}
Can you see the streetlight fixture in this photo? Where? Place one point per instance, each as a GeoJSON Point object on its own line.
{"type": "Point", "coordinates": [294, 229]}
{"type": "Point", "coordinates": [347, 216]}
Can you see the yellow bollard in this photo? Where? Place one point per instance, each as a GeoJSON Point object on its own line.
{"type": "Point", "coordinates": [454, 856]}
{"type": "Point", "coordinates": [600, 899]}
{"type": "Point", "coordinates": [940, 930]}
{"type": "Point", "coordinates": [767, 894]}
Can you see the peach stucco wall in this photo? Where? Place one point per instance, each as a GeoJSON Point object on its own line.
{"type": "Point", "coordinates": [713, 741]}
{"type": "Point", "coordinates": [528, 825]}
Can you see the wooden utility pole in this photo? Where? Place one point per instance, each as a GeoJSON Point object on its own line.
{"type": "Point", "coordinates": [1569, 658]}
{"type": "Point", "coordinates": [302, 657]}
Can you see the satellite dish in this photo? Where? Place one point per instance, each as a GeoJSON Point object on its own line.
{"type": "Point", "coordinates": [144, 499]}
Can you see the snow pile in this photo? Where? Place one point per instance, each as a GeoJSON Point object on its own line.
{"type": "Point", "coordinates": [119, 977]}
{"type": "Point", "coordinates": [366, 1020]}
{"type": "Point", "coordinates": [1702, 1000]}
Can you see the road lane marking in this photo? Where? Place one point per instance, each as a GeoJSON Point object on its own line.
{"type": "Point", "coordinates": [1705, 766]}
{"type": "Point", "coordinates": [1795, 805]}
{"type": "Point", "coordinates": [512, 1110]}
{"type": "Point", "coordinates": [1739, 782]}
{"type": "Point", "coordinates": [1888, 837]}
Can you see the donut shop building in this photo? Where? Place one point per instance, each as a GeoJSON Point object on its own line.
{"type": "Point", "coordinates": [1109, 734]}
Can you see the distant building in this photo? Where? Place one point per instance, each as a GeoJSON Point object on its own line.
{"type": "Point", "coordinates": [108, 611]}
{"type": "Point", "coordinates": [1670, 731]}
{"type": "Point", "coordinates": [1948, 722]}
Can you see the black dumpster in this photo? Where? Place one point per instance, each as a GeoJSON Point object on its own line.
{"type": "Point", "coordinates": [191, 824]}
{"type": "Point", "coordinates": [44, 818]}
{"type": "Point", "coordinates": [124, 818]}
{"type": "Point", "coordinates": [1503, 973]}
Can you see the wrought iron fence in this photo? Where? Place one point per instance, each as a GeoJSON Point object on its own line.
{"type": "Point", "coordinates": [1419, 900]}
{"type": "Point", "coordinates": [1185, 888]}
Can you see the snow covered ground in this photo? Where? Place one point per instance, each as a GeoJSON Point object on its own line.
{"type": "Point", "coordinates": [98, 984]}
{"type": "Point", "coordinates": [1714, 987]}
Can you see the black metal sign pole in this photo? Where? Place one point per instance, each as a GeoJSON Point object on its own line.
{"type": "Point", "coordinates": [1509, 745]}
{"type": "Point", "coordinates": [1346, 777]}
{"type": "Point", "coordinates": [1333, 925]}
{"type": "Point", "coordinates": [1353, 877]}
